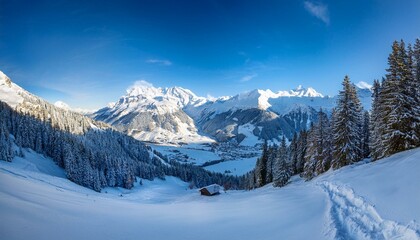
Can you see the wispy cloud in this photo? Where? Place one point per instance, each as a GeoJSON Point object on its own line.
{"type": "Point", "coordinates": [248, 77]}
{"type": "Point", "coordinates": [318, 10]}
{"type": "Point", "coordinates": [160, 62]}
{"type": "Point", "coordinates": [140, 84]}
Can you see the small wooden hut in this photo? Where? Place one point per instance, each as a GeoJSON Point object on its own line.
{"type": "Point", "coordinates": [210, 190]}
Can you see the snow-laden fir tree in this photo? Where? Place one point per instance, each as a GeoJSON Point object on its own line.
{"type": "Point", "coordinates": [375, 141]}
{"type": "Point", "coordinates": [301, 151]}
{"type": "Point", "coordinates": [271, 160]}
{"type": "Point", "coordinates": [416, 67]}
{"type": "Point", "coordinates": [323, 154]}
{"type": "Point", "coordinates": [365, 135]}
{"type": "Point", "coordinates": [311, 151]}
{"type": "Point", "coordinates": [398, 103]}
{"type": "Point", "coordinates": [6, 151]}
{"type": "Point", "coordinates": [346, 127]}
{"type": "Point", "coordinates": [293, 154]}
{"type": "Point", "coordinates": [261, 167]}
{"type": "Point", "coordinates": [415, 89]}
{"type": "Point", "coordinates": [282, 170]}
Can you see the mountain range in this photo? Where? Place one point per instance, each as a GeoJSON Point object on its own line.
{"type": "Point", "coordinates": [177, 115]}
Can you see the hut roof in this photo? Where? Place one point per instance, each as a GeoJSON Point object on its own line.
{"type": "Point", "coordinates": [211, 189]}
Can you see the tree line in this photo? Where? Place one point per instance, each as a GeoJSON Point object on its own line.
{"type": "Point", "coordinates": [349, 134]}
{"type": "Point", "coordinates": [93, 157]}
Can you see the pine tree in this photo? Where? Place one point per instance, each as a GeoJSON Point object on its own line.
{"type": "Point", "coordinates": [6, 152]}
{"type": "Point", "coordinates": [416, 67]}
{"type": "Point", "coordinates": [261, 167]}
{"type": "Point", "coordinates": [415, 90]}
{"type": "Point", "coordinates": [323, 154]}
{"type": "Point", "coordinates": [365, 135]}
{"type": "Point", "coordinates": [293, 153]}
{"type": "Point", "coordinates": [311, 151]}
{"type": "Point", "coordinates": [301, 151]}
{"type": "Point", "coordinates": [398, 103]}
{"type": "Point", "coordinates": [376, 122]}
{"type": "Point", "coordinates": [282, 171]}
{"type": "Point", "coordinates": [346, 128]}
{"type": "Point", "coordinates": [271, 159]}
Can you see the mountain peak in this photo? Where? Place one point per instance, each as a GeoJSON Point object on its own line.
{"type": "Point", "coordinates": [142, 87]}
{"type": "Point", "coordinates": [10, 93]}
{"type": "Point", "coordinates": [5, 79]}
{"type": "Point", "coordinates": [300, 91]}
{"type": "Point", "coordinates": [364, 85]}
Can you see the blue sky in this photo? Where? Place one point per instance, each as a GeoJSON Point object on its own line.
{"type": "Point", "coordinates": [87, 53]}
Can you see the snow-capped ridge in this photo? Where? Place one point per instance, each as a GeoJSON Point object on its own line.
{"type": "Point", "coordinates": [4, 79]}
{"type": "Point", "coordinates": [364, 85]}
{"type": "Point", "coordinates": [261, 99]}
{"type": "Point", "coordinates": [300, 91]}
{"type": "Point", "coordinates": [172, 96]}
{"type": "Point", "coordinates": [23, 101]}
{"type": "Point", "coordinates": [11, 93]}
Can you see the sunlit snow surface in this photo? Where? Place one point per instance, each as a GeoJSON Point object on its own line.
{"type": "Point", "coordinates": [234, 167]}
{"type": "Point", "coordinates": [378, 200]}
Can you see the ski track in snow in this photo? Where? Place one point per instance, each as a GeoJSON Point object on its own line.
{"type": "Point", "coordinates": [352, 217]}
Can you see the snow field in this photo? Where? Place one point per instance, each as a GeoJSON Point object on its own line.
{"type": "Point", "coordinates": [234, 167]}
{"type": "Point", "coordinates": [376, 200]}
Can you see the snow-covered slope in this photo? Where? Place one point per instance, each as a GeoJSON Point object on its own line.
{"type": "Point", "coordinates": [25, 102]}
{"type": "Point", "coordinates": [376, 200]}
{"type": "Point", "coordinates": [11, 93]}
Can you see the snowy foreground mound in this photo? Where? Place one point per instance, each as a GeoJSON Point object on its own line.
{"type": "Point", "coordinates": [377, 200]}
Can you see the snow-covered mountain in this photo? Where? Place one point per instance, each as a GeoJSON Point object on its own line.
{"type": "Point", "coordinates": [154, 114]}
{"type": "Point", "coordinates": [259, 114]}
{"type": "Point", "coordinates": [260, 99]}
{"type": "Point", "coordinates": [177, 115]}
{"type": "Point", "coordinates": [25, 102]}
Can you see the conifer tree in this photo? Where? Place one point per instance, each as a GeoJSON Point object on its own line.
{"type": "Point", "coordinates": [311, 151]}
{"type": "Point", "coordinates": [375, 141]}
{"type": "Point", "coordinates": [398, 103]}
{"type": "Point", "coordinates": [365, 135]}
{"type": "Point", "coordinates": [271, 160]}
{"type": "Point", "coordinates": [323, 153]}
{"type": "Point", "coordinates": [346, 128]}
{"type": "Point", "coordinates": [416, 67]}
{"type": "Point", "coordinates": [6, 152]}
{"type": "Point", "coordinates": [293, 154]}
{"type": "Point", "coordinates": [261, 167]}
{"type": "Point", "coordinates": [415, 89]}
{"type": "Point", "coordinates": [301, 151]}
{"type": "Point", "coordinates": [282, 171]}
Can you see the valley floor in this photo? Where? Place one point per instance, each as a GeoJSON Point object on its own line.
{"type": "Point", "coordinates": [378, 200]}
